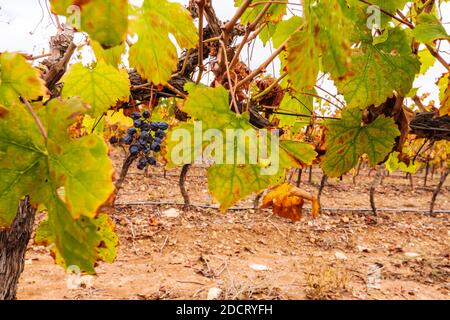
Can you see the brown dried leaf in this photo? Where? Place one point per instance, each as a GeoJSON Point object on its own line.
{"type": "Point", "coordinates": [287, 202]}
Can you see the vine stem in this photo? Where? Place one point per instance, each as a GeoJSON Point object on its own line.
{"type": "Point", "coordinates": [257, 3]}
{"type": "Point", "coordinates": [249, 30]}
{"type": "Point", "coordinates": [123, 173]}
{"type": "Point", "coordinates": [36, 118]}
{"type": "Point", "coordinates": [323, 183]}
{"type": "Point", "coordinates": [178, 92]}
{"type": "Point", "coordinates": [264, 65]}
{"type": "Point", "coordinates": [375, 183]}
{"type": "Point", "coordinates": [439, 58]}
{"type": "Point", "coordinates": [260, 69]}
{"type": "Point", "coordinates": [31, 57]}
{"type": "Point", "coordinates": [201, 8]}
{"type": "Point", "coordinates": [228, 28]}
{"type": "Point", "coordinates": [257, 32]}
{"type": "Point", "coordinates": [233, 90]}
{"type": "Point", "coordinates": [438, 190]}
{"type": "Point", "coordinates": [58, 23]}
{"type": "Point", "coordinates": [182, 184]}
{"type": "Point", "coordinates": [185, 62]}
{"type": "Point", "coordinates": [322, 98]}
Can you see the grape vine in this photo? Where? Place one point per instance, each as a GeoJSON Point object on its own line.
{"type": "Point", "coordinates": [160, 72]}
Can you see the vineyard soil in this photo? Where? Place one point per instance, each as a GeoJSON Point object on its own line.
{"type": "Point", "coordinates": [180, 254]}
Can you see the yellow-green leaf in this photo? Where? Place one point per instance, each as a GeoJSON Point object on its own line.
{"type": "Point", "coordinates": [106, 21]}
{"type": "Point", "coordinates": [154, 56]}
{"type": "Point", "coordinates": [230, 180]}
{"type": "Point", "coordinates": [319, 38]}
{"type": "Point", "coordinates": [348, 139]}
{"type": "Point", "coordinates": [77, 243]}
{"type": "Point", "coordinates": [379, 70]}
{"type": "Point", "coordinates": [429, 29]}
{"type": "Point", "coordinates": [275, 12]}
{"type": "Point", "coordinates": [303, 60]}
{"type": "Point", "coordinates": [229, 183]}
{"type": "Point", "coordinates": [393, 164]}
{"type": "Point", "coordinates": [102, 86]}
{"type": "Point", "coordinates": [18, 78]}
{"type": "Point", "coordinates": [112, 56]}
{"type": "Point", "coordinates": [72, 178]}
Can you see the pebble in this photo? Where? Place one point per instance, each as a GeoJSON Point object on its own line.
{"type": "Point", "coordinates": [214, 294]}
{"type": "Point", "coordinates": [412, 254]}
{"type": "Point", "coordinates": [259, 267]}
{"type": "Point", "coordinates": [171, 213]}
{"type": "Point", "coordinates": [340, 255]}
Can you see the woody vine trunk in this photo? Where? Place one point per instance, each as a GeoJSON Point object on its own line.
{"type": "Point", "coordinates": [13, 245]}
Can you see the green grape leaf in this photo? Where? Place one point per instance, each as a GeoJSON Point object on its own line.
{"type": "Point", "coordinates": [112, 56]}
{"type": "Point", "coordinates": [348, 139]}
{"type": "Point", "coordinates": [379, 70]}
{"type": "Point", "coordinates": [102, 86]}
{"type": "Point", "coordinates": [381, 38]}
{"type": "Point", "coordinates": [373, 12]}
{"type": "Point", "coordinates": [79, 242]}
{"type": "Point", "coordinates": [319, 38]}
{"type": "Point", "coordinates": [302, 47]}
{"type": "Point", "coordinates": [275, 12]}
{"type": "Point", "coordinates": [154, 55]}
{"type": "Point", "coordinates": [18, 78]}
{"type": "Point", "coordinates": [297, 153]}
{"type": "Point", "coordinates": [72, 178]}
{"type": "Point", "coordinates": [231, 179]}
{"type": "Point", "coordinates": [106, 21]}
{"type": "Point", "coordinates": [181, 147]}
{"type": "Point", "coordinates": [429, 29]}
{"type": "Point", "coordinates": [427, 60]}
{"type": "Point", "coordinates": [229, 183]}
{"type": "Point", "coordinates": [295, 104]}
{"type": "Point", "coordinates": [334, 42]}
{"type": "Point", "coordinates": [284, 29]}
{"type": "Point", "coordinates": [212, 107]}
{"type": "Point", "coordinates": [267, 32]}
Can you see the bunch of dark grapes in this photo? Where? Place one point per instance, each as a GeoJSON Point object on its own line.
{"type": "Point", "coordinates": [145, 138]}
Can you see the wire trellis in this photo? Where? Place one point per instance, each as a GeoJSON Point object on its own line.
{"type": "Point", "coordinates": [244, 208]}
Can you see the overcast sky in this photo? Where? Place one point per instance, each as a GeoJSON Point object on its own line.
{"type": "Point", "coordinates": [26, 26]}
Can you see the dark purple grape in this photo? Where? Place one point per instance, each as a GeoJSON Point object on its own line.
{"type": "Point", "coordinates": [163, 126]}
{"type": "Point", "coordinates": [146, 114]}
{"type": "Point", "coordinates": [151, 161]}
{"type": "Point", "coordinates": [160, 134]}
{"type": "Point", "coordinates": [142, 164]}
{"type": "Point", "coordinates": [147, 150]}
{"type": "Point", "coordinates": [155, 147]}
{"type": "Point", "coordinates": [134, 149]}
{"type": "Point", "coordinates": [131, 131]}
{"type": "Point", "coordinates": [146, 126]}
{"type": "Point", "coordinates": [135, 115]}
{"type": "Point", "coordinates": [113, 140]}
{"type": "Point", "coordinates": [128, 140]}
{"type": "Point", "coordinates": [154, 126]}
{"type": "Point", "coordinates": [145, 136]}
{"type": "Point", "coordinates": [138, 123]}
{"type": "Point", "coordinates": [157, 140]}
